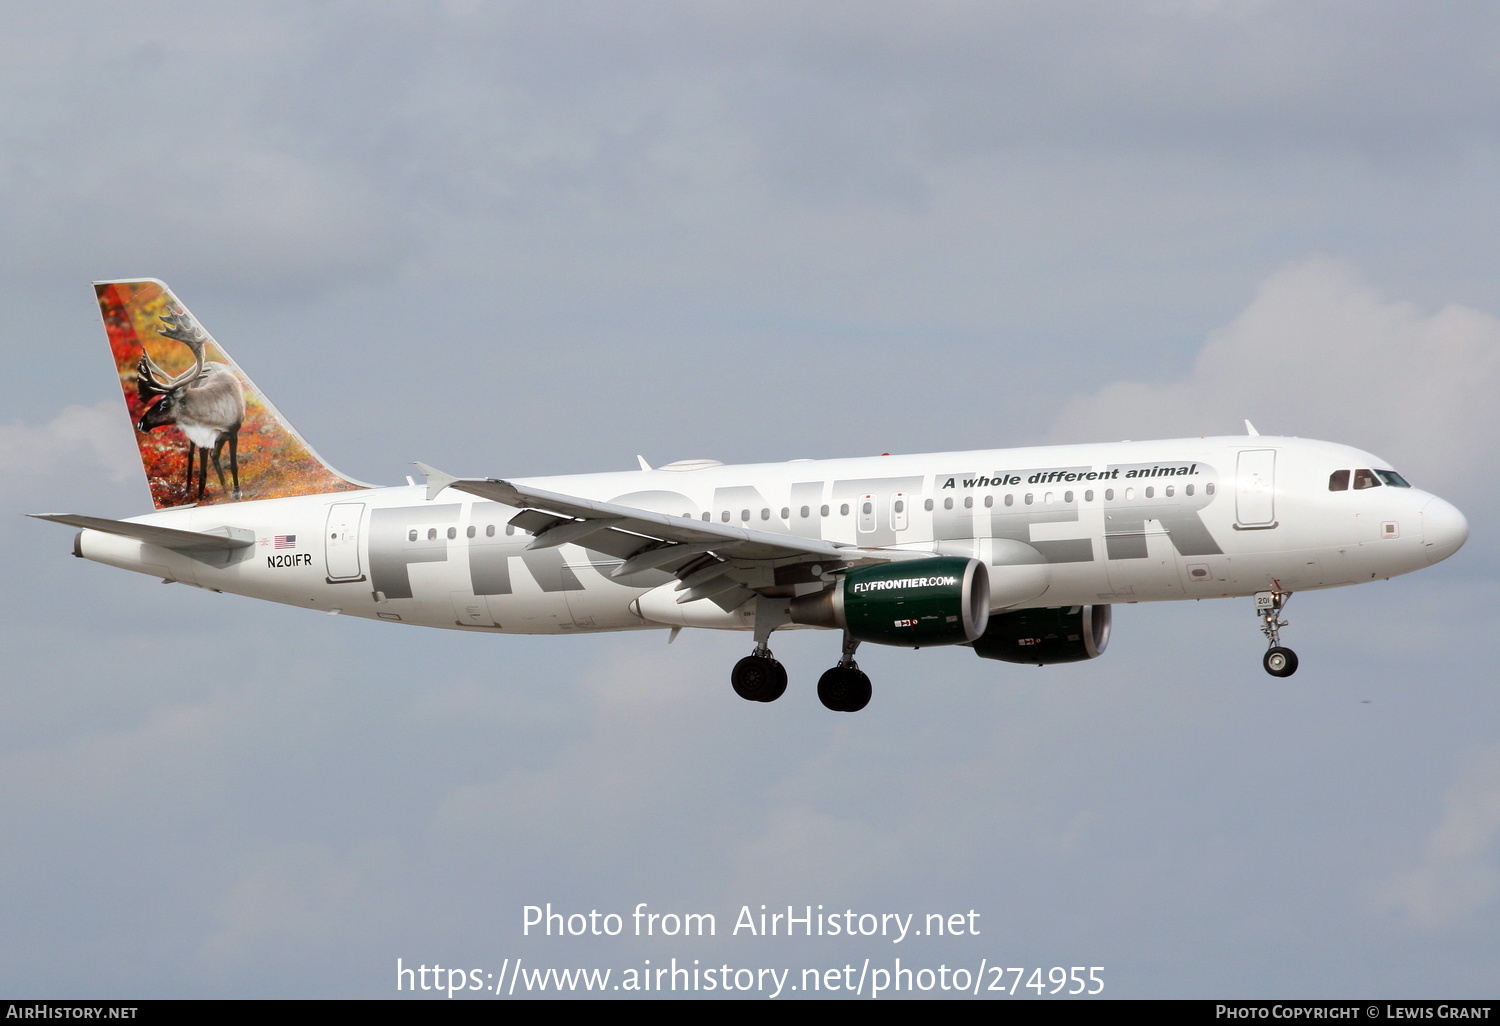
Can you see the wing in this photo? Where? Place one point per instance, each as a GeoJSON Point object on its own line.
{"type": "Point", "coordinates": [711, 561]}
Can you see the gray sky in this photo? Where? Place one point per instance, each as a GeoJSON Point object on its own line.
{"type": "Point", "coordinates": [517, 239]}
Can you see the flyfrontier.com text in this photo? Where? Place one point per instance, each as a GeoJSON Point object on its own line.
{"type": "Point", "coordinates": [795, 921]}
{"type": "Point", "coordinates": [905, 582]}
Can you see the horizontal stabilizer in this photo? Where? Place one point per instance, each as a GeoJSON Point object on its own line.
{"type": "Point", "coordinates": [231, 539]}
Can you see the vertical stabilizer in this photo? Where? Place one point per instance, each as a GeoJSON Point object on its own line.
{"type": "Point", "coordinates": [205, 432]}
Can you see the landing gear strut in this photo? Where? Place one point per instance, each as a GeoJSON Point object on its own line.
{"type": "Point", "coordinates": [759, 677]}
{"type": "Point", "coordinates": [845, 688]}
{"type": "Point", "coordinates": [1279, 662]}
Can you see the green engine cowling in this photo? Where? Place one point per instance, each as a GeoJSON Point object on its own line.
{"type": "Point", "coordinates": [914, 603]}
{"type": "Point", "coordinates": [1042, 636]}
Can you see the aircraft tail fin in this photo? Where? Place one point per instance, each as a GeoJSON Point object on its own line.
{"type": "Point", "coordinates": [194, 409]}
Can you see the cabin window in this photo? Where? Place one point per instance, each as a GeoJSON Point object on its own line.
{"type": "Point", "coordinates": [510, 529]}
{"type": "Point", "coordinates": [899, 507]}
{"type": "Point", "coordinates": [432, 534]}
{"type": "Point", "coordinates": [1109, 495]}
{"type": "Point", "coordinates": [1088, 496]}
{"type": "Point", "coordinates": [1365, 479]}
{"type": "Point", "coordinates": [968, 502]}
{"type": "Point", "coordinates": [1208, 489]}
{"type": "Point", "coordinates": [1171, 490]}
{"type": "Point", "coordinates": [744, 516]}
{"type": "Point", "coordinates": [927, 505]}
{"type": "Point", "coordinates": [724, 516]}
{"type": "Point", "coordinates": [1067, 496]}
{"type": "Point", "coordinates": [411, 535]}
{"type": "Point", "coordinates": [470, 532]}
{"type": "Point", "coordinates": [867, 508]}
{"type": "Point", "coordinates": [844, 510]}
{"type": "Point", "coordinates": [765, 514]}
{"type": "Point", "coordinates": [1010, 500]}
{"type": "Point", "coordinates": [786, 514]}
{"type": "Point", "coordinates": [452, 533]}
{"type": "Point", "coordinates": [1028, 498]}
{"type": "Point", "coordinates": [824, 512]}
{"type": "Point", "coordinates": [1129, 494]}
{"type": "Point", "coordinates": [1188, 490]}
{"type": "Point", "coordinates": [805, 512]}
{"type": "Point", "coordinates": [1150, 492]}
{"type": "Point", "coordinates": [489, 531]}
{"type": "Point", "coordinates": [989, 502]}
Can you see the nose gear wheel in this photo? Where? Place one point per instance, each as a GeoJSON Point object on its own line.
{"type": "Point", "coordinates": [1278, 661]}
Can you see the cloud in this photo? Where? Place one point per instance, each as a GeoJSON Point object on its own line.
{"type": "Point", "coordinates": [1318, 353]}
{"type": "Point", "coordinates": [88, 435]}
{"type": "Point", "coordinates": [1461, 872]}
{"type": "Point", "coordinates": [289, 900]}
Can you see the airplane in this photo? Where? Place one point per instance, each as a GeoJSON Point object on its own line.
{"type": "Point", "coordinates": [1017, 554]}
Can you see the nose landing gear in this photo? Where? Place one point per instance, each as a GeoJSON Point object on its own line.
{"type": "Point", "coordinates": [1278, 661]}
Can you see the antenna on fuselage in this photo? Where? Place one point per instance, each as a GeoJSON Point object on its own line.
{"type": "Point", "coordinates": [1250, 430]}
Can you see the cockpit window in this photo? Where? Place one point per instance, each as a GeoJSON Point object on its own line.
{"type": "Point", "coordinates": [1392, 478]}
{"type": "Point", "coordinates": [1338, 481]}
{"type": "Point", "coordinates": [1365, 479]}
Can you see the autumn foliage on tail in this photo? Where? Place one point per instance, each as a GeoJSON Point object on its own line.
{"type": "Point", "coordinates": [206, 434]}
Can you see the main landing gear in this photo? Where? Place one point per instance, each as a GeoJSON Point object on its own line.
{"type": "Point", "coordinates": [760, 678]}
{"type": "Point", "coordinates": [845, 688]}
{"type": "Point", "coordinates": [1278, 661]}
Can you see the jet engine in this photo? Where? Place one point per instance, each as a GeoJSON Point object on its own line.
{"type": "Point", "coordinates": [1043, 636]}
{"type": "Point", "coordinates": [913, 603]}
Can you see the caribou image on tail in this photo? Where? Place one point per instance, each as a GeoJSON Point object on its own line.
{"type": "Point", "coordinates": [206, 403]}
{"type": "Point", "coordinates": [189, 401]}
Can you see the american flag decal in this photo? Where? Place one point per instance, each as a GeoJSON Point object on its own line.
{"type": "Point", "coordinates": [286, 541]}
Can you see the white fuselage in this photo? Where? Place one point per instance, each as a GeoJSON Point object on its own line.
{"type": "Point", "coordinates": [1058, 526]}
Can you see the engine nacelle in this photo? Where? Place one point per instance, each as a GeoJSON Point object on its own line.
{"type": "Point", "coordinates": [913, 603]}
{"type": "Point", "coordinates": [660, 605]}
{"type": "Point", "coordinates": [1042, 636]}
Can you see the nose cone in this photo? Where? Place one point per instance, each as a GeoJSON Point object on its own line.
{"type": "Point", "coordinates": [1444, 529]}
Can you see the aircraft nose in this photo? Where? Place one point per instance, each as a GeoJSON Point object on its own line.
{"type": "Point", "coordinates": [1444, 529]}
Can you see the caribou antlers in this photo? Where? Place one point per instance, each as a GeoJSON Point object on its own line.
{"type": "Point", "coordinates": [206, 402]}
